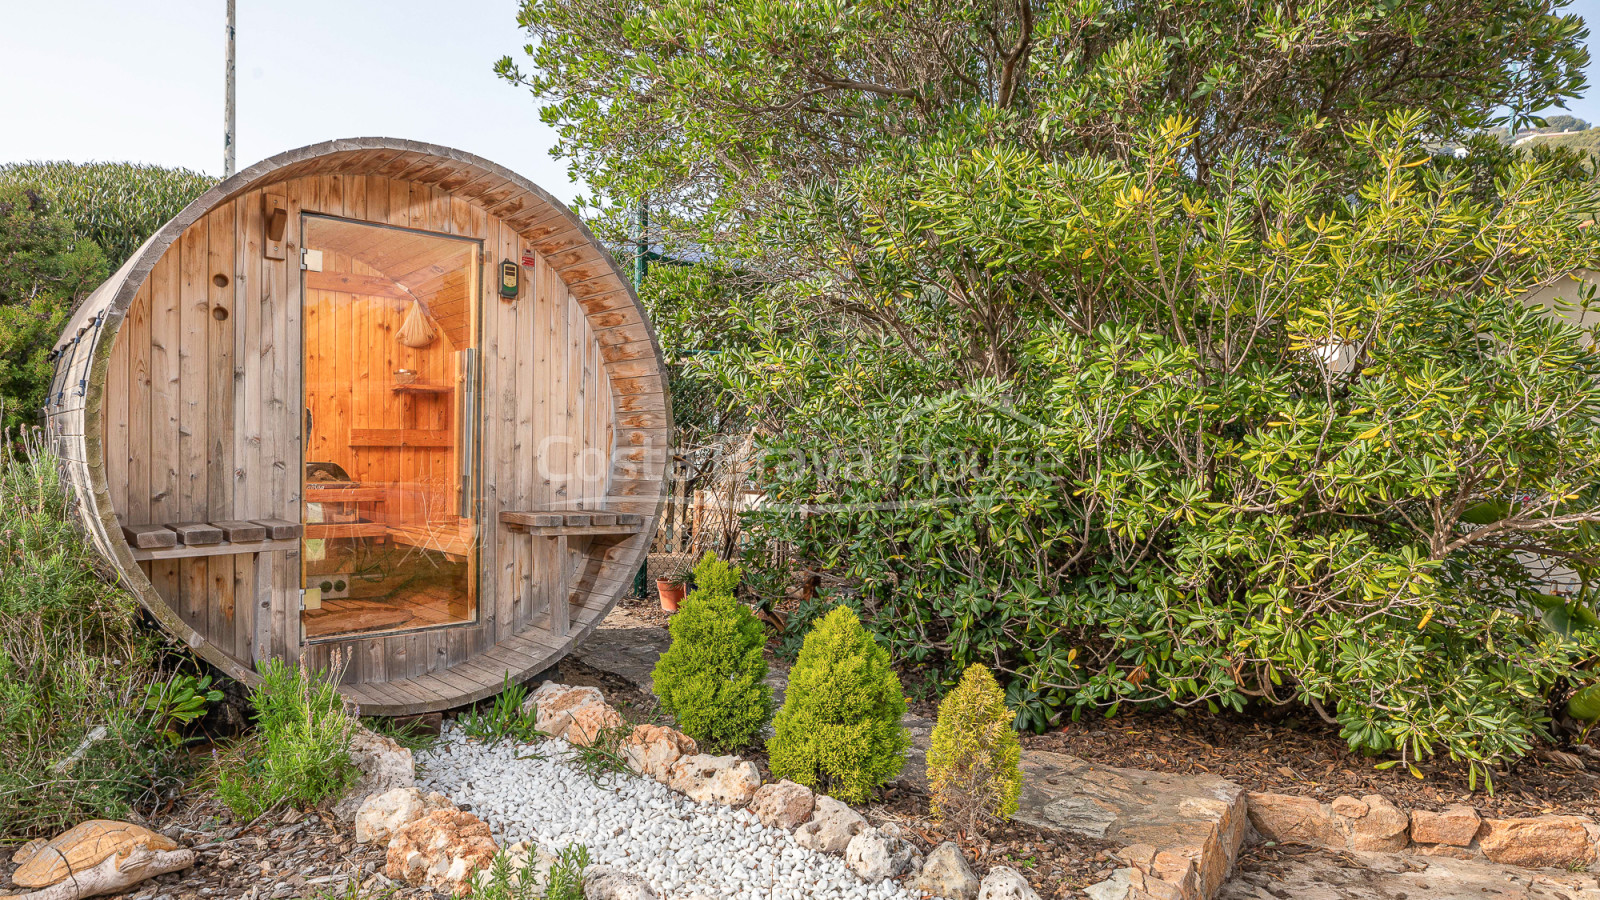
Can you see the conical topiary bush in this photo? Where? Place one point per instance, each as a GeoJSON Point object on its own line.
{"type": "Point", "coordinates": [839, 730]}
{"type": "Point", "coordinates": [711, 678]}
{"type": "Point", "coordinates": [974, 757]}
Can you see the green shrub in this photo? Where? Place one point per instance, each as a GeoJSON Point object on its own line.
{"type": "Point", "coordinates": [501, 880]}
{"type": "Point", "coordinates": [75, 739]}
{"type": "Point", "coordinates": [710, 679]}
{"type": "Point", "coordinates": [505, 719]}
{"type": "Point", "coordinates": [300, 753]}
{"type": "Point", "coordinates": [116, 205]}
{"type": "Point", "coordinates": [408, 733]}
{"type": "Point", "coordinates": [178, 702]}
{"type": "Point", "coordinates": [974, 770]}
{"type": "Point", "coordinates": [839, 730]}
{"type": "Point", "coordinates": [1122, 519]}
{"type": "Point", "coordinates": [44, 273]}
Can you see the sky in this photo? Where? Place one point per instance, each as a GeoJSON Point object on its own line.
{"type": "Point", "coordinates": [116, 80]}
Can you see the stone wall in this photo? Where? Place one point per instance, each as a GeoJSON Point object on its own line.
{"type": "Point", "coordinates": [1374, 824]}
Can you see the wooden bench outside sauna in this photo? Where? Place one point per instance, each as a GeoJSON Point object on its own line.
{"type": "Point", "coordinates": [375, 403]}
{"type": "Point", "coordinates": [560, 527]}
{"type": "Point", "coordinates": [192, 539]}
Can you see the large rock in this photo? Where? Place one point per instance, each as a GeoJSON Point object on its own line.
{"type": "Point", "coordinates": [1293, 820]}
{"type": "Point", "coordinates": [1454, 826]}
{"type": "Point", "coordinates": [1162, 874]}
{"type": "Point", "coordinates": [1132, 884]}
{"type": "Point", "coordinates": [1381, 829]}
{"type": "Point", "coordinates": [607, 883]}
{"type": "Point", "coordinates": [783, 804]}
{"type": "Point", "coordinates": [384, 766]}
{"type": "Point", "coordinates": [1546, 841]}
{"type": "Point", "coordinates": [575, 714]}
{"type": "Point", "coordinates": [1117, 887]}
{"type": "Point", "coordinates": [728, 780]}
{"type": "Point", "coordinates": [945, 873]}
{"type": "Point", "coordinates": [915, 771]}
{"type": "Point", "coordinates": [1005, 883]}
{"type": "Point", "coordinates": [652, 750]}
{"type": "Point", "coordinates": [1198, 818]}
{"type": "Point", "coordinates": [1349, 807]}
{"type": "Point", "coordinates": [875, 855]}
{"type": "Point", "coordinates": [441, 851]}
{"type": "Point", "coordinates": [831, 828]}
{"type": "Point", "coordinates": [384, 814]}
{"type": "Point", "coordinates": [1380, 876]}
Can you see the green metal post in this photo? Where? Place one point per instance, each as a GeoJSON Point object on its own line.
{"type": "Point", "coordinates": [641, 581]}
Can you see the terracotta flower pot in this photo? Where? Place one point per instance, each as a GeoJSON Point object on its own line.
{"type": "Point", "coordinates": [671, 594]}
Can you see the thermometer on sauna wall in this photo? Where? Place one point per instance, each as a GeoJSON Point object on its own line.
{"type": "Point", "coordinates": [510, 279]}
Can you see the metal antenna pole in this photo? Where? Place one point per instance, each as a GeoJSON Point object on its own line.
{"type": "Point", "coordinates": [227, 133]}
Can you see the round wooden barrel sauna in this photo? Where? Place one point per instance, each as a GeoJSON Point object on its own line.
{"type": "Point", "coordinates": [372, 406]}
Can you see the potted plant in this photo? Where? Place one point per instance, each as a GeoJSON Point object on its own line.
{"type": "Point", "coordinates": [671, 581]}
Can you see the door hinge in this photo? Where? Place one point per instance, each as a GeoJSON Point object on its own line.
{"type": "Point", "coordinates": [310, 260]}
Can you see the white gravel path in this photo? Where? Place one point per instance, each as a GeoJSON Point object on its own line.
{"type": "Point", "coordinates": [635, 824]}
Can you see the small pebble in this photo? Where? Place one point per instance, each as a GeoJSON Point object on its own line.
{"type": "Point", "coordinates": [534, 793]}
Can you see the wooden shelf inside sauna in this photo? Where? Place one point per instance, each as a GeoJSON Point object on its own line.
{"type": "Point", "coordinates": [335, 531]}
{"type": "Point", "coordinates": [451, 540]}
{"type": "Point", "coordinates": [402, 437]}
{"type": "Point", "coordinates": [354, 494]}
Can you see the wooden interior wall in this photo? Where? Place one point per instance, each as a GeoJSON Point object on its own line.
{"type": "Point", "coordinates": [351, 356]}
{"type": "Point", "coordinates": [203, 417]}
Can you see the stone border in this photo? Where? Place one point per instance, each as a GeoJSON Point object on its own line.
{"type": "Point", "coordinates": [818, 822]}
{"type": "Point", "coordinates": [1373, 824]}
{"type": "Point", "coordinates": [434, 844]}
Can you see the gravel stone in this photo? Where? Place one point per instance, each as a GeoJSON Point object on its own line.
{"type": "Point", "coordinates": [636, 826]}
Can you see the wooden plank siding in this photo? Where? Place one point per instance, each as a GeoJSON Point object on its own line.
{"type": "Point", "coordinates": [202, 410]}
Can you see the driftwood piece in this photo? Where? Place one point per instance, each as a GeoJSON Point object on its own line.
{"type": "Point", "coordinates": [113, 875]}
{"type": "Point", "coordinates": [41, 864]}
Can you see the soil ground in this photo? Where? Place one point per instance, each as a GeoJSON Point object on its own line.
{"type": "Point", "coordinates": [1304, 756]}
{"type": "Point", "coordinates": [284, 854]}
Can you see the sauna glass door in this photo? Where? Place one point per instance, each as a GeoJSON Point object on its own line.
{"type": "Point", "coordinates": [390, 331]}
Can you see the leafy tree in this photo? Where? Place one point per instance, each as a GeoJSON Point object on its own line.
{"type": "Point", "coordinates": [44, 273]}
{"type": "Point", "coordinates": [1142, 352]}
{"type": "Point", "coordinates": [711, 678]}
{"type": "Point", "coordinates": [116, 205]}
{"type": "Point", "coordinates": [1274, 453]}
{"type": "Point", "coordinates": [716, 108]}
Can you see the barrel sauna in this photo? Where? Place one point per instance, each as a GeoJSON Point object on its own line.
{"type": "Point", "coordinates": [372, 406]}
